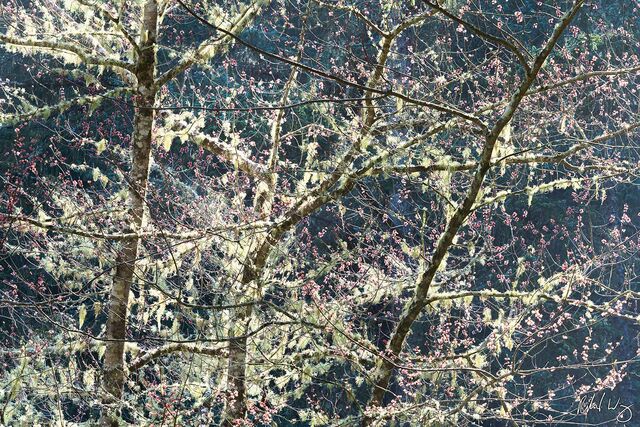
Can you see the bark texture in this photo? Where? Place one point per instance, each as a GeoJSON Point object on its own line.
{"type": "Point", "coordinates": [236, 408]}
{"type": "Point", "coordinates": [114, 372]}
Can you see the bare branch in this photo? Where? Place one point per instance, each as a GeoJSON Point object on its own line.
{"type": "Point", "coordinates": [151, 355]}
{"type": "Point", "coordinates": [209, 48]}
{"type": "Point", "coordinates": [491, 38]}
{"type": "Point", "coordinates": [390, 92]}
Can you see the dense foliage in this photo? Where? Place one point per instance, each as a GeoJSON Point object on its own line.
{"type": "Point", "coordinates": [314, 212]}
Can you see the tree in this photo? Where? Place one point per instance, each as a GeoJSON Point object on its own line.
{"type": "Point", "coordinates": [99, 36]}
{"type": "Point", "coordinates": [348, 216]}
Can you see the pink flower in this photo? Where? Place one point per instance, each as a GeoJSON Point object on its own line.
{"type": "Point", "coordinates": [519, 17]}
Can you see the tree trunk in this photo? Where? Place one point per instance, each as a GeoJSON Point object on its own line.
{"type": "Point", "coordinates": [236, 407]}
{"type": "Point", "coordinates": [113, 375]}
